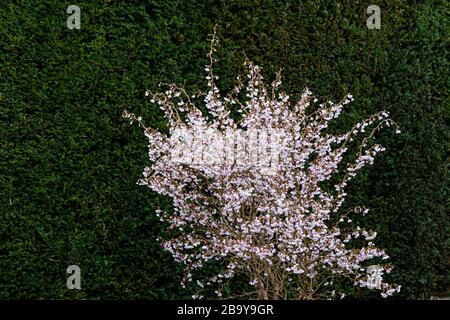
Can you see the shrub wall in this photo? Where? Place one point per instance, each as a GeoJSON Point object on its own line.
{"type": "Point", "coordinates": [69, 163]}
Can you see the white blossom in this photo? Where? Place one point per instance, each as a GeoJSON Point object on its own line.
{"type": "Point", "coordinates": [262, 223]}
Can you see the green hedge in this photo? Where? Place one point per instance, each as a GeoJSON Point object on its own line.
{"type": "Point", "coordinates": [69, 163]}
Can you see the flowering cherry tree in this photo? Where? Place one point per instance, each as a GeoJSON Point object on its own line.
{"type": "Point", "coordinates": [273, 221]}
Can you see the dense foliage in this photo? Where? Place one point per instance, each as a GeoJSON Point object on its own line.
{"type": "Point", "coordinates": [69, 162]}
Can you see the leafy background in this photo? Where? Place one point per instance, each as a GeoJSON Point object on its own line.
{"type": "Point", "coordinates": [69, 163]}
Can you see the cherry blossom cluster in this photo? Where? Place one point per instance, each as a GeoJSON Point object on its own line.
{"type": "Point", "coordinates": [285, 231]}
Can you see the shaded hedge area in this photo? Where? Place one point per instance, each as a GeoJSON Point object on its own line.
{"type": "Point", "coordinates": [69, 163]}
